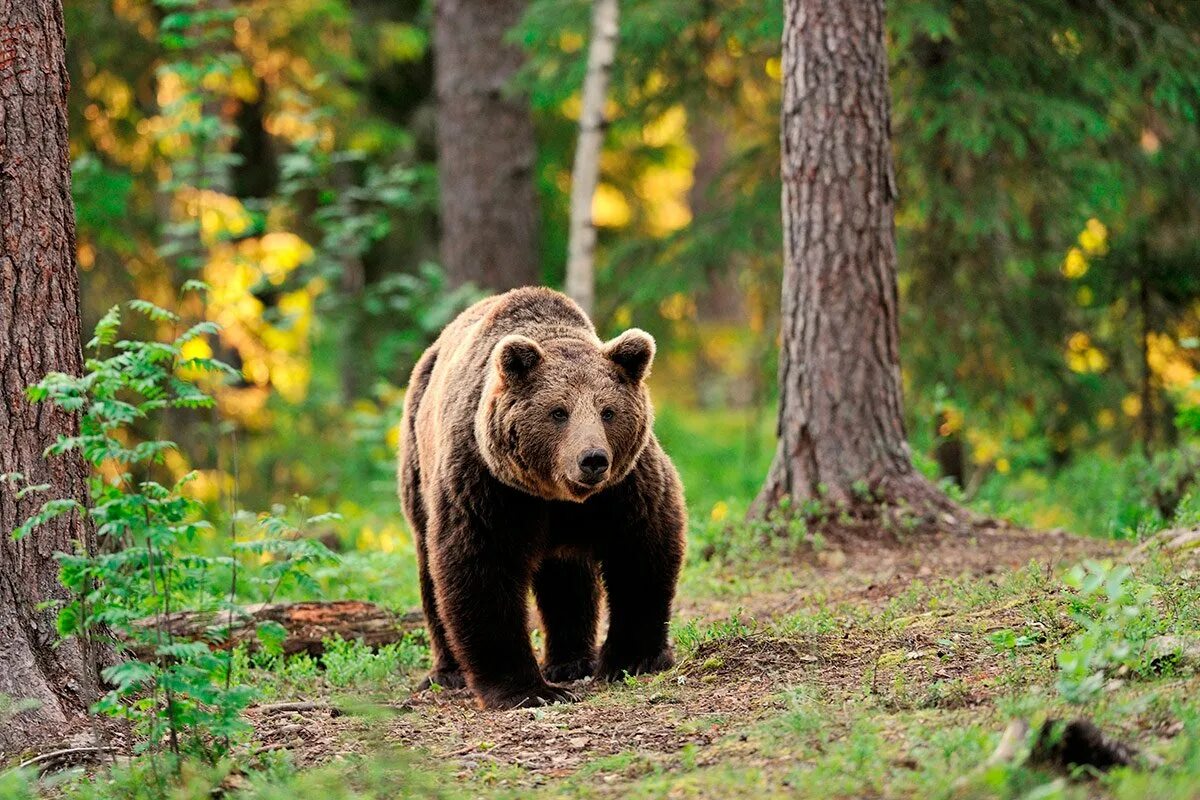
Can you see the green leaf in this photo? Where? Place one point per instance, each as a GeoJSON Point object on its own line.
{"type": "Point", "coordinates": [105, 332]}
{"type": "Point", "coordinates": [152, 311]}
{"type": "Point", "coordinates": [128, 674]}
{"type": "Point", "coordinates": [271, 635]}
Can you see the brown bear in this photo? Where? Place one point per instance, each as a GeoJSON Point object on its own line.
{"type": "Point", "coordinates": [527, 461]}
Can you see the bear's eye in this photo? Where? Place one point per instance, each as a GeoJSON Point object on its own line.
{"type": "Point", "coordinates": [607, 415]}
{"type": "Point", "coordinates": [559, 415]}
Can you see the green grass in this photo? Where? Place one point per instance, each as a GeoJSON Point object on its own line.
{"type": "Point", "coordinates": [900, 697]}
{"type": "Point", "coordinates": [893, 726]}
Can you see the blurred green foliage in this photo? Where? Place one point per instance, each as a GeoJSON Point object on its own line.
{"type": "Point", "coordinates": [1046, 158]}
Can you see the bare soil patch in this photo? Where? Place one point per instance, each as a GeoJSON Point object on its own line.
{"type": "Point", "coordinates": [726, 684]}
{"type": "Point", "coordinates": [875, 571]}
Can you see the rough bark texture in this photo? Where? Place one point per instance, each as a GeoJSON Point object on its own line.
{"type": "Point", "coordinates": [39, 333]}
{"type": "Point", "coordinates": [840, 412]}
{"type": "Point", "coordinates": [308, 625]}
{"type": "Point", "coordinates": [585, 173]}
{"type": "Point", "coordinates": [486, 147]}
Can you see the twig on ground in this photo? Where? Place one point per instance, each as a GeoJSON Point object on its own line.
{"type": "Point", "coordinates": [48, 762]}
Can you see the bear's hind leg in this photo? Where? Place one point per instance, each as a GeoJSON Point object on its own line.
{"type": "Point", "coordinates": [445, 672]}
{"type": "Point", "coordinates": [567, 596]}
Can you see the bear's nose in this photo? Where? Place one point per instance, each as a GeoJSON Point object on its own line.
{"type": "Point", "coordinates": [593, 464]}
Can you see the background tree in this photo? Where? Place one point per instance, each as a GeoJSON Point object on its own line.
{"type": "Point", "coordinates": [1023, 132]}
{"type": "Point", "coordinates": [486, 147]}
{"type": "Point", "coordinates": [585, 174]}
{"type": "Point", "coordinates": [39, 333]}
{"type": "Point", "coordinates": [841, 423]}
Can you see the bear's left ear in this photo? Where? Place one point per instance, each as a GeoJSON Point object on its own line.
{"type": "Point", "coordinates": [633, 351]}
{"type": "Point", "coordinates": [516, 356]}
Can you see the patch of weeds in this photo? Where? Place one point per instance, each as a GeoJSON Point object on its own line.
{"type": "Point", "coordinates": [386, 775]}
{"type": "Point", "coordinates": [1178, 600]}
{"type": "Point", "coordinates": [692, 634]}
{"type": "Point", "coordinates": [148, 779]}
{"type": "Point", "coordinates": [784, 530]}
{"type": "Point", "coordinates": [807, 715]}
{"type": "Point", "coordinates": [1009, 642]}
{"type": "Point", "coordinates": [494, 775]}
{"type": "Point", "coordinates": [1029, 581]}
{"type": "Point", "coordinates": [821, 621]}
{"type": "Point", "coordinates": [915, 596]}
{"type": "Point", "coordinates": [708, 722]}
{"type": "Point", "coordinates": [1117, 620]}
{"type": "Point", "coordinates": [17, 784]}
{"type": "Point", "coordinates": [719, 780]}
{"type": "Point", "coordinates": [946, 694]}
{"type": "Point", "coordinates": [854, 766]}
{"type": "Point", "coordinates": [343, 665]}
{"type": "Point", "coordinates": [628, 763]}
{"type": "Point", "coordinates": [352, 663]}
{"type": "Point", "coordinates": [278, 676]}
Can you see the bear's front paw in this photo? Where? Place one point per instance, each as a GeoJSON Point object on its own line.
{"type": "Point", "coordinates": [529, 697]}
{"type": "Point", "coordinates": [567, 671]}
{"type": "Point", "coordinates": [445, 678]}
{"type": "Point", "coordinates": [613, 667]}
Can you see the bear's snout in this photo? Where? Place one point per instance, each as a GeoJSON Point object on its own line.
{"type": "Point", "coordinates": [593, 465]}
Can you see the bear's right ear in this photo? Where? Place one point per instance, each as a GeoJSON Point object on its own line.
{"type": "Point", "coordinates": [516, 356]}
{"type": "Point", "coordinates": [633, 351]}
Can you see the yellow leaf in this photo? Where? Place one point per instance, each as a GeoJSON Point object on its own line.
{"type": "Point", "coordinates": [610, 209]}
{"type": "Point", "coordinates": [1131, 405]}
{"type": "Point", "coordinates": [1074, 265]}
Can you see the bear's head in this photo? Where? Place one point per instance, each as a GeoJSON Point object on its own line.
{"type": "Point", "coordinates": [564, 418]}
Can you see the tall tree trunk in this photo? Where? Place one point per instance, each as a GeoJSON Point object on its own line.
{"type": "Point", "coordinates": [486, 147]}
{"type": "Point", "coordinates": [39, 333]}
{"type": "Point", "coordinates": [841, 427]}
{"type": "Point", "coordinates": [585, 173]}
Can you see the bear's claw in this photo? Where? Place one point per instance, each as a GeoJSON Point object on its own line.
{"type": "Point", "coordinates": [568, 671]}
{"type": "Point", "coordinates": [544, 695]}
{"type": "Point", "coordinates": [613, 668]}
{"type": "Point", "coordinates": [447, 679]}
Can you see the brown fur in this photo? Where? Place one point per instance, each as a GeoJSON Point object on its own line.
{"type": "Point", "coordinates": [528, 461]}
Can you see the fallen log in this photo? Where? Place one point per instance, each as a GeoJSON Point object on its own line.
{"type": "Point", "coordinates": [308, 625]}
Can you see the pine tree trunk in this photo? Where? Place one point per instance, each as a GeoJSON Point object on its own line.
{"type": "Point", "coordinates": [486, 147]}
{"type": "Point", "coordinates": [39, 333]}
{"type": "Point", "coordinates": [841, 427]}
{"type": "Point", "coordinates": [585, 173]}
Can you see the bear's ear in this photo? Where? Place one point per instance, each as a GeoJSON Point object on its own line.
{"type": "Point", "coordinates": [632, 351]}
{"type": "Point", "coordinates": [516, 356]}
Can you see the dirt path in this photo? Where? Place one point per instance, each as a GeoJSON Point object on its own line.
{"type": "Point", "coordinates": [735, 680]}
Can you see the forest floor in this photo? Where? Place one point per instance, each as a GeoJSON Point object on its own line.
{"type": "Point", "coordinates": [876, 671]}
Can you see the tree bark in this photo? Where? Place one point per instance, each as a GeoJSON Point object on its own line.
{"type": "Point", "coordinates": [585, 173]}
{"type": "Point", "coordinates": [840, 426]}
{"type": "Point", "coordinates": [486, 147]}
{"type": "Point", "coordinates": [39, 333]}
